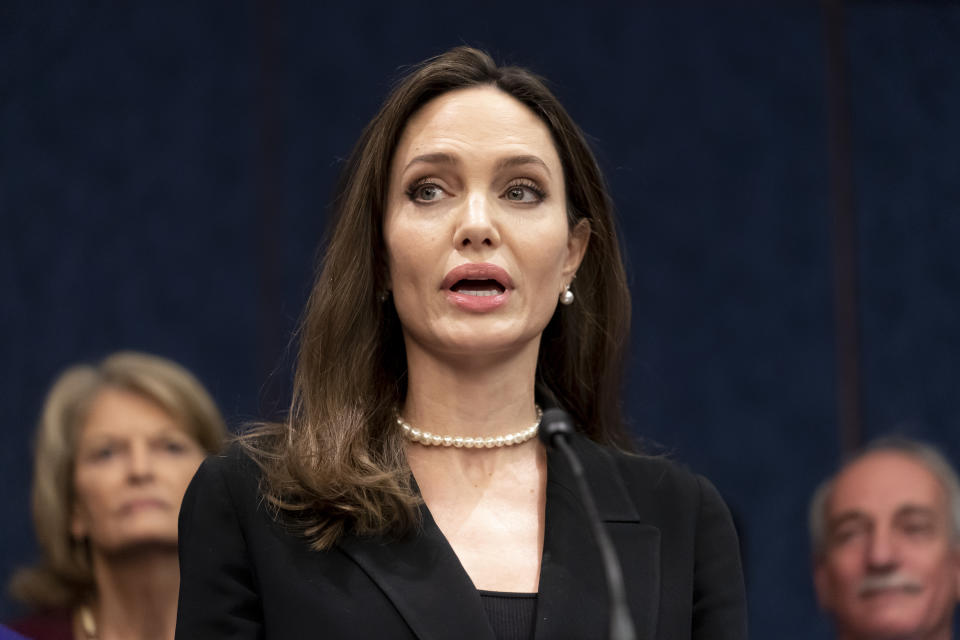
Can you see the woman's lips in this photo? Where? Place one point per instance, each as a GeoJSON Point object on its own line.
{"type": "Point", "coordinates": [478, 286]}
{"type": "Point", "coordinates": [477, 271]}
{"type": "Point", "coordinates": [141, 504]}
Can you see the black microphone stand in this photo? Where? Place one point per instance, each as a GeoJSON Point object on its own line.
{"type": "Point", "coordinates": [555, 429]}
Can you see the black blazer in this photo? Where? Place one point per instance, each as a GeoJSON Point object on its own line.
{"type": "Point", "coordinates": [245, 575]}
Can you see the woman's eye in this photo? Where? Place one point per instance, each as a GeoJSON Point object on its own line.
{"type": "Point", "coordinates": [425, 192]}
{"type": "Point", "coordinates": [523, 193]}
{"type": "Point", "coordinates": [102, 453]}
{"type": "Point", "coordinates": [174, 447]}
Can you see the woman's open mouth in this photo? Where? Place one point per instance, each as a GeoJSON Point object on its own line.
{"type": "Point", "coordinates": [478, 287]}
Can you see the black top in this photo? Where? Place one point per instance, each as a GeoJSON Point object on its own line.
{"type": "Point", "coordinates": [513, 616]}
{"type": "Point", "coordinates": [246, 576]}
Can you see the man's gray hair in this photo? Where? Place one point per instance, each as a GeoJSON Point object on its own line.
{"type": "Point", "coordinates": [927, 455]}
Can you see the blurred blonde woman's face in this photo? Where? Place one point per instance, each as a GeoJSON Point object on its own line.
{"type": "Point", "coordinates": [133, 465]}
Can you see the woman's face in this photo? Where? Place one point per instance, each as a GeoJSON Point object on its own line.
{"type": "Point", "coordinates": [478, 241]}
{"type": "Point", "coordinates": [133, 464]}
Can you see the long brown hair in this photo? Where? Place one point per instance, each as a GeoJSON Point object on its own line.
{"type": "Point", "coordinates": [338, 465]}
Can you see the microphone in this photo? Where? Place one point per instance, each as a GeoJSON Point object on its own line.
{"type": "Point", "coordinates": [556, 427]}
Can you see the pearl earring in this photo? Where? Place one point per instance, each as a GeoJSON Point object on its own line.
{"type": "Point", "coordinates": [566, 298]}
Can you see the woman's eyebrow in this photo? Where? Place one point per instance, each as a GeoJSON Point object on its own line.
{"type": "Point", "coordinates": [519, 161]}
{"type": "Point", "coordinates": [432, 158]}
{"type": "Point", "coordinates": [441, 157]}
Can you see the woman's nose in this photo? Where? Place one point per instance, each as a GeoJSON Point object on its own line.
{"type": "Point", "coordinates": [140, 462]}
{"type": "Point", "coordinates": [476, 228]}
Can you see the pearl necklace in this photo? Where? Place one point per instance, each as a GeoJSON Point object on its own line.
{"type": "Point", "coordinates": [432, 439]}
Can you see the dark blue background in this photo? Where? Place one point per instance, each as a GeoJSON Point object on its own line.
{"type": "Point", "coordinates": [165, 171]}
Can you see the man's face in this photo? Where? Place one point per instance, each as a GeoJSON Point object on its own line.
{"type": "Point", "coordinates": [890, 567]}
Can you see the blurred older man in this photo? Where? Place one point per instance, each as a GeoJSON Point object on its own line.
{"type": "Point", "coordinates": [885, 542]}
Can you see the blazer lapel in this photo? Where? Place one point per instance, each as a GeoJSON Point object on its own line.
{"type": "Point", "coordinates": [573, 601]}
{"type": "Point", "coordinates": [424, 579]}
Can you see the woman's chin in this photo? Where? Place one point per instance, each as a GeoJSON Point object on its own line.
{"type": "Point", "coordinates": [493, 344]}
{"type": "Point", "coordinates": [477, 336]}
{"type": "Point", "coordinates": [139, 540]}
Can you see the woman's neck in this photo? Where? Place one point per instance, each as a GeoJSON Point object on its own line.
{"type": "Point", "coordinates": [137, 592]}
{"type": "Point", "coordinates": [475, 397]}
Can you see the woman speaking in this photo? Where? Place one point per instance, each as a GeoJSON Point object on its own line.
{"type": "Point", "coordinates": [472, 276]}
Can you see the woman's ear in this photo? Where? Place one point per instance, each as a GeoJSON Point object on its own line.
{"type": "Point", "coordinates": [577, 243]}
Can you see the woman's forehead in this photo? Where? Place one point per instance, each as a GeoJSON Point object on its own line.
{"type": "Point", "coordinates": [478, 123]}
{"type": "Point", "coordinates": [119, 412]}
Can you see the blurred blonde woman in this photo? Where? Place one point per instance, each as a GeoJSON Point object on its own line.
{"type": "Point", "coordinates": [116, 446]}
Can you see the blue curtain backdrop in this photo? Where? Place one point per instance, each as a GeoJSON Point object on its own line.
{"type": "Point", "coordinates": [165, 170]}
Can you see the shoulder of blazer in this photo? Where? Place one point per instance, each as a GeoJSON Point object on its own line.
{"type": "Point", "coordinates": [234, 463]}
{"type": "Point", "coordinates": [239, 474]}
{"type": "Point", "coordinates": [659, 488]}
